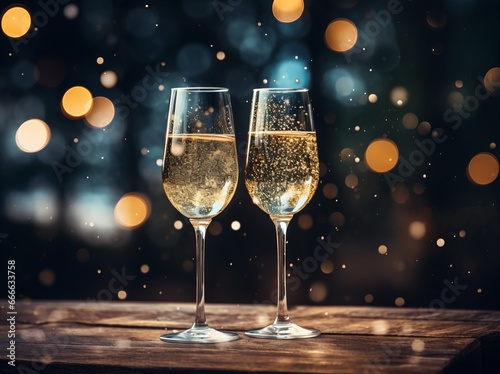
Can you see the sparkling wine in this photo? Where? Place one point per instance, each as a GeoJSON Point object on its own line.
{"type": "Point", "coordinates": [282, 170]}
{"type": "Point", "coordinates": [200, 173]}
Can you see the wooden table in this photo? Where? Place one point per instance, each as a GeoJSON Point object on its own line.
{"type": "Point", "coordinates": [123, 337]}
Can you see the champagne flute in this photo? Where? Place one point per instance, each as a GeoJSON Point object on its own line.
{"type": "Point", "coordinates": [281, 176]}
{"type": "Point", "coordinates": [200, 173]}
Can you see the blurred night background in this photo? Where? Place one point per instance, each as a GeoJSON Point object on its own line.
{"type": "Point", "coordinates": [406, 97]}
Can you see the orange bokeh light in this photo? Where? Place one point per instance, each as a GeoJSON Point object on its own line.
{"type": "Point", "coordinates": [341, 35]}
{"type": "Point", "coordinates": [381, 155]}
{"type": "Point", "coordinates": [287, 11]}
{"type": "Point", "coordinates": [483, 168]}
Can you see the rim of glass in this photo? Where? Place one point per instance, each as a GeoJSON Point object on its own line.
{"type": "Point", "coordinates": [277, 89]}
{"type": "Point", "coordinates": [201, 89]}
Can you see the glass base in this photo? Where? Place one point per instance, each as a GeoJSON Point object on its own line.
{"type": "Point", "coordinates": [200, 334]}
{"type": "Point", "coordinates": [286, 330]}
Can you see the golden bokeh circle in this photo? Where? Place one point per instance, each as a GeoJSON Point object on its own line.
{"type": "Point", "coordinates": [381, 155]}
{"type": "Point", "coordinates": [483, 168]}
{"type": "Point", "coordinates": [76, 102]}
{"type": "Point", "coordinates": [16, 22]}
{"type": "Point", "coordinates": [287, 11]}
{"type": "Point", "coordinates": [341, 35]}
{"type": "Point", "coordinates": [132, 210]}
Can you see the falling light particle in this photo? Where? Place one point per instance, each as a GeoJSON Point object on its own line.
{"type": "Point", "coordinates": [462, 233]}
{"type": "Point", "coordinates": [459, 83]}
{"type": "Point", "coordinates": [399, 301]}
{"type": "Point", "coordinates": [357, 128]}
{"type": "Point", "coordinates": [344, 266]}
{"type": "Point", "coordinates": [178, 225]}
{"type": "Point", "coordinates": [100, 60]}
{"type": "Point", "coordinates": [144, 268]}
{"type": "Point", "coordinates": [440, 242]}
{"type": "Point", "coordinates": [382, 249]}
{"type": "Point", "coordinates": [479, 290]}
{"type": "Point", "coordinates": [235, 225]}
{"type": "Point", "coordinates": [98, 271]}
{"type": "Point", "coordinates": [368, 298]}
{"type": "Point", "coordinates": [493, 145]}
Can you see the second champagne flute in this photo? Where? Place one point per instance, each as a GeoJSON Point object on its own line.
{"type": "Point", "coordinates": [200, 173]}
{"type": "Point", "coordinates": [281, 175]}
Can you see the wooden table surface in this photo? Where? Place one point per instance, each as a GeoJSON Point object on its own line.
{"type": "Point", "coordinates": [123, 337]}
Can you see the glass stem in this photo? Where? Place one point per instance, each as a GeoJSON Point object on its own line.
{"type": "Point", "coordinates": [281, 224]}
{"type": "Point", "coordinates": [200, 228]}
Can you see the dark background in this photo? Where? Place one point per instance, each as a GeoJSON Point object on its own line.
{"type": "Point", "coordinates": [63, 235]}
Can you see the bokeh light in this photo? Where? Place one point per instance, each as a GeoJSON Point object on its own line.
{"type": "Point", "coordinates": [410, 121]}
{"type": "Point", "coordinates": [483, 168]}
{"type": "Point", "coordinates": [16, 22]}
{"type": "Point", "coordinates": [32, 136]}
{"type": "Point", "coordinates": [436, 18]}
{"type": "Point", "coordinates": [318, 292]}
{"type": "Point", "coordinates": [108, 78]}
{"type": "Point", "coordinates": [287, 11]}
{"type": "Point", "coordinates": [491, 81]}
{"type": "Point", "coordinates": [381, 155]}
{"type": "Point", "coordinates": [132, 210]}
{"type": "Point", "coordinates": [440, 242]}
{"type": "Point", "coordinates": [382, 249]}
{"type": "Point", "coordinates": [341, 35]}
{"type": "Point", "coordinates": [400, 193]}
{"type": "Point", "coordinates": [47, 277]}
{"type": "Point", "coordinates": [330, 191]}
{"type": "Point", "coordinates": [337, 219]}
{"type": "Point", "coordinates": [417, 229]}
{"type": "Point", "coordinates": [102, 112]}
{"type": "Point", "coordinates": [71, 11]}
{"type": "Point", "coordinates": [399, 301]}
{"type": "Point", "coordinates": [305, 221]}
{"type": "Point", "coordinates": [327, 267]}
{"type": "Point", "coordinates": [399, 96]}
{"type": "Point", "coordinates": [372, 98]}
{"type": "Point", "coordinates": [424, 128]}
{"type": "Point", "coordinates": [351, 180]}
{"type": "Point", "coordinates": [76, 102]}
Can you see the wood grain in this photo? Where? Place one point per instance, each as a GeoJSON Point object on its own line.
{"type": "Point", "coordinates": [123, 337]}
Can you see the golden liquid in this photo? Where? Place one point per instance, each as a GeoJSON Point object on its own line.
{"type": "Point", "coordinates": [282, 170]}
{"type": "Point", "coordinates": [200, 173]}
